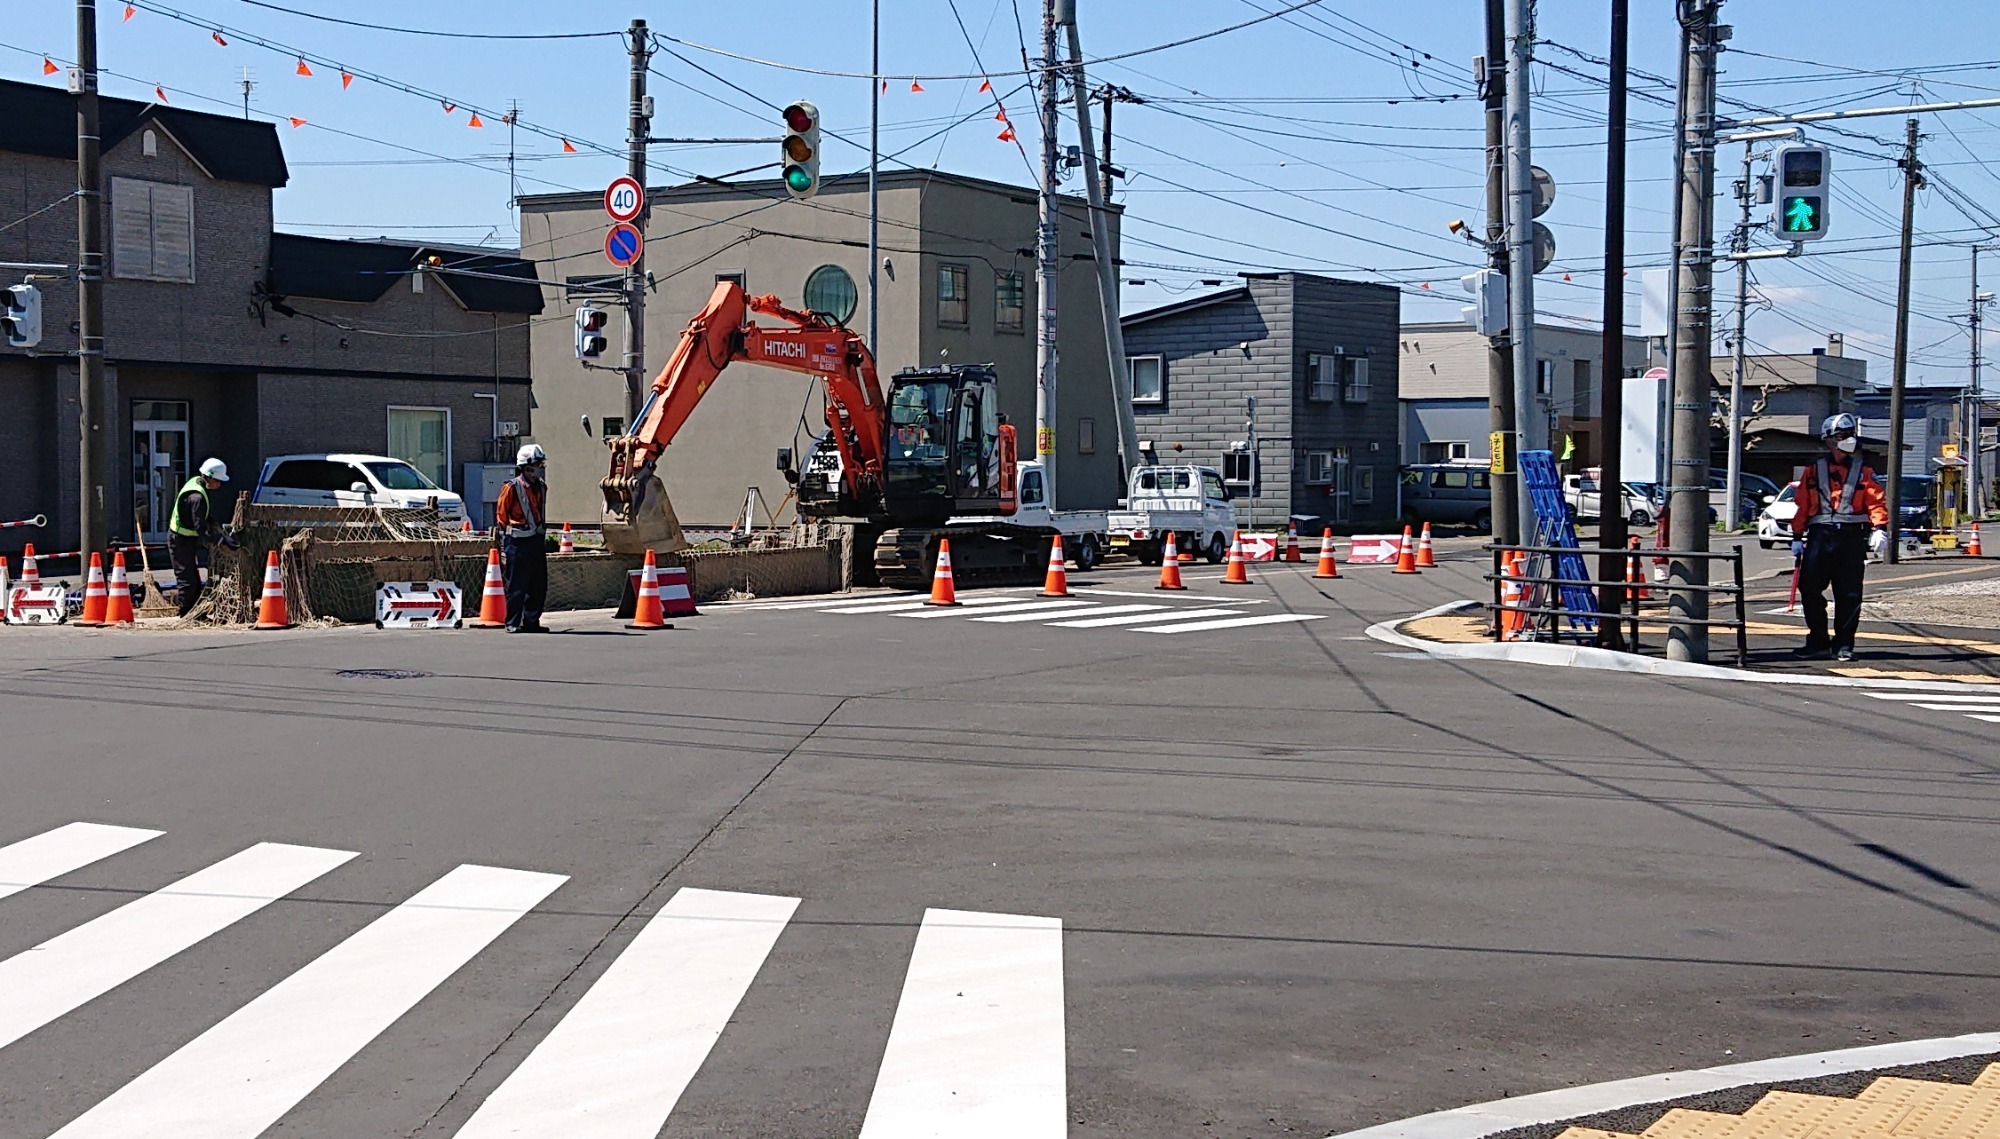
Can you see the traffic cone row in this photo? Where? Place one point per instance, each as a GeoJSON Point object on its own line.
{"type": "Point", "coordinates": [1406, 555]}
{"type": "Point", "coordinates": [1170, 566]}
{"type": "Point", "coordinates": [272, 610]}
{"type": "Point", "coordinates": [567, 544]}
{"type": "Point", "coordinates": [93, 595]}
{"type": "Point", "coordinates": [646, 611]}
{"type": "Point", "coordinates": [492, 597]}
{"type": "Point", "coordinates": [1328, 564]}
{"type": "Point", "coordinates": [1238, 572]}
{"type": "Point", "coordinates": [942, 590]}
{"type": "Point", "coordinates": [1426, 557]}
{"type": "Point", "coordinates": [1056, 584]}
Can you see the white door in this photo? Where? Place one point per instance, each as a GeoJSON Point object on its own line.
{"type": "Point", "coordinates": [159, 463]}
{"type": "Point", "coordinates": [1341, 490]}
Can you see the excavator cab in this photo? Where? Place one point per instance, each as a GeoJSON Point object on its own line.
{"type": "Point", "coordinates": [945, 444]}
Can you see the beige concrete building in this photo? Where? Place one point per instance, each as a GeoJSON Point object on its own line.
{"type": "Point", "coordinates": [957, 286]}
{"type": "Point", "coordinates": [1444, 388]}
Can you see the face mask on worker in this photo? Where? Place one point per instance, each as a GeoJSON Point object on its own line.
{"type": "Point", "coordinates": [1846, 446]}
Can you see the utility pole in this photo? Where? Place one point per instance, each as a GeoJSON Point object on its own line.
{"type": "Point", "coordinates": [1913, 178]}
{"type": "Point", "coordinates": [1739, 243]}
{"type": "Point", "coordinates": [1975, 403]}
{"type": "Point", "coordinates": [1045, 259]}
{"type": "Point", "coordinates": [1499, 360]}
{"type": "Point", "coordinates": [1107, 267]}
{"type": "Point", "coordinates": [1687, 489]}
{"type": "Point", "coordinates": [1611, 530]}
{"type": "Point", "coordinates": [639, 128]}
{"type": "Point", "coordinates": [93, 531]}
{"type": "Point", "coordinates": [874, 164]}
{"type": "Point", "coordinates": [1104, 161]}
{"type": "Point", "coordinates": [1530, 429]}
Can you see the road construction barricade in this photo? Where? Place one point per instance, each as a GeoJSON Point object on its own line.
{"type": "Point", "coordinates": [1540, 614]}
{"type": "Point", "coordinates": [1374, 549]}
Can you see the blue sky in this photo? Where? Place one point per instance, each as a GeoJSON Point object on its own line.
{"type": "Point", "coordinates": [1327, 140]}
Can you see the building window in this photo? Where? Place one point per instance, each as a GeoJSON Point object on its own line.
{"type": "Point", "coordinates": [954, 296]}
{"type": "Point", "coordinates": [614, 426]}
{"type": "Point", "coordinates": [1580, 396]}
{"type": "Point", "coordinates": [1323, 378]}
{"type": "Point", "coordinates": [830, 292]}
{"type": "Point", "coordinates": [1010, 300]}
{"type": "Point", "coordinates": [1319, 468]}
{"type": "Point", "coordinates": [1086, 436]}
{"type": "Point", "coordinates": [1239, 468]}
{"type": "Point", "coordinates": [1364, 486]}
{"type": "Point", "coordinates": [152, 231]}
{"type": "Point", "coordinates": [1354, 379]}
{"type": "Point", "coordinates": [421, 437]}
{"type": "Point", "coordinates": [1149, 378]}
{"type": "Point", "coordinates": [1545, 377]}
{"type": "Point", "coordinates": [738, 276]}
{"type": "Point", "coordinates": [149, 144]}
{"type": "Point", "coordinates": [1444, 452]}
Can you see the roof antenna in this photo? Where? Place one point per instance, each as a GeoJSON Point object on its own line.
{"type": "Point", "coordinates": [248, 83]}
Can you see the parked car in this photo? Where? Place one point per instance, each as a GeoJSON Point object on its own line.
{"type": "Point", "coordinates": [351, 481]}
{"type": "Point", "coordinates": [1452, 493]}
{"type": "Point", "coordinates": [1774, 522]}
{"type": "Point", "coordinates": [1585, 498]}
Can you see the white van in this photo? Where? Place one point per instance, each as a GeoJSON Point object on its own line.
{"type": "Point", "coordinates": [353, 481]}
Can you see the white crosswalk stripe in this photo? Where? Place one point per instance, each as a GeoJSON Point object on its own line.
{"type": "Point", "coordinates": [1973, 701]}
{"type": "Point", "coordinates": [616, 1065]}
{"type": "Point", "coordinates": [58, 975]}
{"type": "Point", "coordinates": [71, 847]}
{"type": "Point", "coordinates": [1232, 623]}
{"type": "Point", "coordinates": [1100, 620]}
{"type": "Point", "coordinates": [1088, 608]}
{"type": "Point", "coordinates": [242, 1075]}
{"type": "Point", "coordinates": [976, 1051]}
{"type": "Point", "coordinates": [976, 1040]}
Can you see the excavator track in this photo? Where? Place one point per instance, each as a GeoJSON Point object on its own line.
{"type": "Point", "coordinates": [982, 553]}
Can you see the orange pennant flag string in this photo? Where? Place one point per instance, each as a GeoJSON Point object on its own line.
{"type": "Point", "coordinates": [49, 66]}
{"type": "Point", "coordinates": [160, 93]}
{"type": "Point", "coordinates": [985, 85]}
{"type": "Point", "coordinates": [303, 69]}
{"type": "Point", "coordinates": [346, 80]}
{"type": "Point", "coordinates": [219, 41]}
{"type": "Point", "coordinates": [568, 147]}
{"type": "Point", "coordinates": [130, 12]}
{"type": "Point", "coordinates": [1425, 285]}
{"type": "Point", "coordinates": [885, 86]}
{"type": "Point", "coordinates": [450, 107]}
{"type": "Point", "coordinates": [475, 120]}
{"type": "Point", "coordinates": [915, 86]}
{"type": "Point", "coordinates": [297, 122]}
{"type": "Point", "coordinates": [1007, 135]}
{"type": "Point", "coordinates": [1001, 117]}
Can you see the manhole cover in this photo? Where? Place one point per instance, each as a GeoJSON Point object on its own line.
{"type": "Point", "coordinates": [381, 674]}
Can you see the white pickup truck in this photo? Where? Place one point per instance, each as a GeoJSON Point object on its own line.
{"type": "Point", "coordinates": [1083, 531]}
{"type": "Point", "coordinates": [1189, 502]}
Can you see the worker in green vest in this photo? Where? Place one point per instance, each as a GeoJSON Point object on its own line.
{"type": "Point", "coordinates": [193, 526]}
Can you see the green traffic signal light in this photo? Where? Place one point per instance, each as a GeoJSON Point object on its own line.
{"type": "Point", "coordinates": [1802, 215]}
{"type": "Point", "coordinates": [797, 179]}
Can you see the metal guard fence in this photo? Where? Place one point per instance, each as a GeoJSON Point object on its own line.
{"type": "Point", "coordinates": [1540, 583]}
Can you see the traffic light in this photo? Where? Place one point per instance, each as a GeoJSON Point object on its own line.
{"type": "Point", "coordinates": [590, 340]}
{"type": "Point", "coordinates": [801, 159]}
{"type": "Point", "coordinates": [21, 315]}
{"type": "Point", "coordinates": [1798, 208]}
{"type": "Point", "coordinates": [1487, 314]}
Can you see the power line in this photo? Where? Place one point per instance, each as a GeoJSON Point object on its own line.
{"type": "Point", "coordinates": [428, 31]}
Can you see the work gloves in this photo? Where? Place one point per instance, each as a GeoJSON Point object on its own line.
{"type": "Point", "coordinates": [1798, 549]}
{"type": "Point", "coordinates": [1878, 541]}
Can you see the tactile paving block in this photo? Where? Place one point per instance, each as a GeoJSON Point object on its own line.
{"type": "Point", "coordinates": [1888, 1108]}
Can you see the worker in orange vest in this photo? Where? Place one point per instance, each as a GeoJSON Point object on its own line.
{"type": "Point", "coordinates": [519, 525]}
{"type": "Point", "coordinates": [1842, 517]}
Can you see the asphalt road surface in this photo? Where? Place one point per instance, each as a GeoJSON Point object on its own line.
{"type": "Point", "coordinates": [795, 874]}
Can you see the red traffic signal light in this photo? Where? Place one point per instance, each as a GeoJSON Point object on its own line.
{"type": "Point", "coordinates": [799, 117]}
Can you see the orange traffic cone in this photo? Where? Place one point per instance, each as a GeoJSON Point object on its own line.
{"type": "Point", "coordinates": [465, 527]}
{"type": "Point", "coordinates": [1292, 541]}
{"type": "Point", "coordinates": [1056, 584]}
{"type": "Point", "coordinates": [1238, 572]}
{"type": "Point", "coordinates": [1193, 550]}
{"type": "Point", "coordinates": [1634, 572]}
{"type": "Point", "coordinates": [29, 574]}
{"type": "Point", "coordinates": [1170, 566]}
{"type": "Point", "coordinates": [493, 597]}
{"type": "Point", "coordinates": [272, 612]}
{"type": "Point", "coordinates": [568, 544]}
{"type": "Point", "coordinates": [1972, 543]}
{"type": "Point", "coordinates": [942, 591]}
{"type": "Point", "coordinates": [118, 602]}
{"type": "Point", "coordinates": [1328, 564]}
{"type": "Point", "coordinates": [1406, 555]}
{"type": "Point", "coordinates": [1510, 595]}
{"type": "Point", "coordinates": [1425, 556]}
{"type": "Point", "coordinates": [5, 586]}
{"type": "Point", "coordinates": [93, 594]}
{"type": "Point", "coordinates": [646, 611]}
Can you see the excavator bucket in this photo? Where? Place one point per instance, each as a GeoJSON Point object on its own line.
{"type": "Point", "coordinates": [638, 517]}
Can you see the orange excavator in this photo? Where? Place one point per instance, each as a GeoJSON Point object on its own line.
{"type": "Point", "coordinates": [934, 459]}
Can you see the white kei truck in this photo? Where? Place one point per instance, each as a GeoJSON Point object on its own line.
{"type": "Point", "coordinates": [1189, 502]}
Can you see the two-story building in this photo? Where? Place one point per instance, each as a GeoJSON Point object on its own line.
{"type": "Point", "coordinates": [1318, 358]}
{"type": "Point", "coordinates": [224, 338]}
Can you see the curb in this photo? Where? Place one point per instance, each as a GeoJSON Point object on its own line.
{"type": "Point", "coordinates": [1543, 1108]}
{"type": "Point", "coordinates": [1604, 660]}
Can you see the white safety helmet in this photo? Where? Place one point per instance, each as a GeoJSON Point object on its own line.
{"type": "Point", "coordinates": [529, 454]}
{"type": "Point", "coordinates": [215, 469]}
{"type": "Point", "coordinates": [1838, 424]}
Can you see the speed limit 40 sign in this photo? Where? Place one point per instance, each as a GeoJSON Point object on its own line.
{"type": "Point", "coordinates": [624, 199]}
